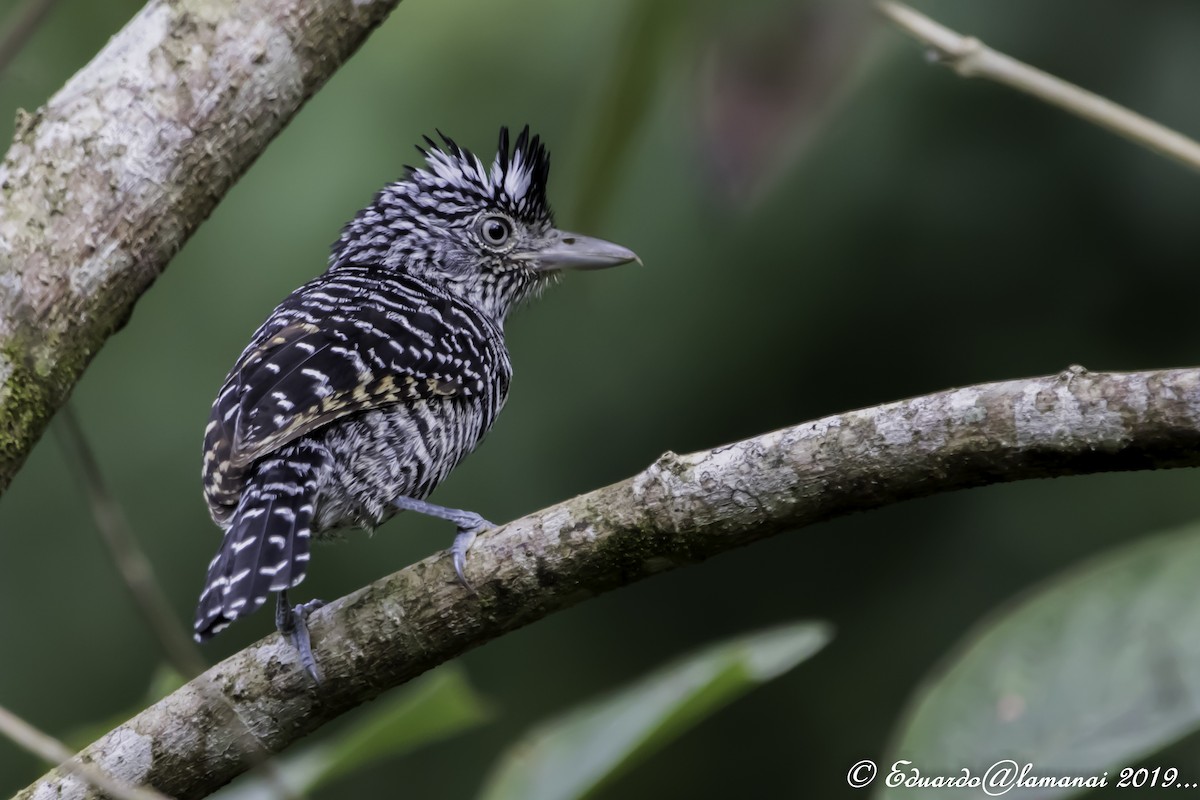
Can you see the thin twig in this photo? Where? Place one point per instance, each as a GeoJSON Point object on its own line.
{"type": "Point", "coordinates": [49, 749]}
{"type": "Point", "coordinates": [971, 58]}
{"type": "Point", "coordinates": [127, 555]}
{"type": "Point", "coordinates": [24, 22]}
{"type": "Point", "coordinates": [679, 511]}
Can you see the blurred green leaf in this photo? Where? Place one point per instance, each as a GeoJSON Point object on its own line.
{"type": "Point", "coordinates": [572, 755]}
{"type": "Point", "coordinates": [441, 706]}
{"type": "Point", "coordinates": [1093, 670]}
{"type": "Point", "coordinates": [434, 707]}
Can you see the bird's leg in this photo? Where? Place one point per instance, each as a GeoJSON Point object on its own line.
{"type": "Point", "coordinates": [469, 525]}
{"type": "Point", "coordinates": [292, 623]}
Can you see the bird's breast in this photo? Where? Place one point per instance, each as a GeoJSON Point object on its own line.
{"type": "Point", "coordinates": [404, 450]}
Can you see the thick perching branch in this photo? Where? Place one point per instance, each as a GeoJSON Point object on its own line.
{"type": "Point", "coordinates": [104, 183]}
{"type": "Point", "coordinates": [681, 510]}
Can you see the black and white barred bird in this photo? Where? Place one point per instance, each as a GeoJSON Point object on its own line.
{"type": "Point", "coordinates": [368, 384]}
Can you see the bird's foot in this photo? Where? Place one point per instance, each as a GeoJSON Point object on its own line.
{"type": "Point", "coordinates": [469, 525]}
{"type": "Point", "coordinates": [292, 623]}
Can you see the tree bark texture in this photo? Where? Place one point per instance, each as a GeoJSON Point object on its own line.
{"type": "Point", "coordinates": [104, 183]}
{"type": "Point", "coordinates": [680, 510]}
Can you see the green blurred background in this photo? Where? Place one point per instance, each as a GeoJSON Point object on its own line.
{"type": "Point", "coordinates": [827, 223]}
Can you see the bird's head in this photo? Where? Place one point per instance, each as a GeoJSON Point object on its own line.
{"type": "Point", "coordinates": [485, 234]}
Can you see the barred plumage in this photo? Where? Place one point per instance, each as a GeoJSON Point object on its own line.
{"type": "Point", "coordinates": [367, 385]}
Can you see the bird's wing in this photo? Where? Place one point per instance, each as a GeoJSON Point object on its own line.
{"type": "Point", "coordinates": [298, 376]}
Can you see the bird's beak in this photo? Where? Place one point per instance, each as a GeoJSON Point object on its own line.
{"type": "Point", "coordinates": [572, 251]}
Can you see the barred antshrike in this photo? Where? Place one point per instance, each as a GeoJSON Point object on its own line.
{"type": "Point", "coordinates": [368, 384]}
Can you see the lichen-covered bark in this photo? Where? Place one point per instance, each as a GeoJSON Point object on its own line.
{"type": "Point", "coordinates": [680, 510]}
{"type": "Point", "coordinates": [103, 184]}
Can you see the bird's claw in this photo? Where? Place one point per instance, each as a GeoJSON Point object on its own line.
{"type": "Point", "coordinates": [462, 543]}
{"type": "Point", "coordinates": [292, 622]}
{"type": "Point", "coordinates": [469, 525]}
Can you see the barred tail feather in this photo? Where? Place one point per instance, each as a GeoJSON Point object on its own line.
{"type": "Point", "coordinates": [266, 545]}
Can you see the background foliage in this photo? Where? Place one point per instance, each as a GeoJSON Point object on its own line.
{"type": "Point", "coordinates": [906, 232]}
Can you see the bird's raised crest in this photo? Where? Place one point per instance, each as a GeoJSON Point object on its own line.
{"type": "Point", "coordinates": [515, 180]}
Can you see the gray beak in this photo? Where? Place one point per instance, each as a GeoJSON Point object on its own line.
{"type": "Point", "coordinates": [572, 251]}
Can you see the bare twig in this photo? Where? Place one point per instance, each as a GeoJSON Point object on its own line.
{"type": "Point", "coordinates": [971, 58]}
{"type": "Point", "coordinates": [135, 569]}
{"type": "Point", "coordinates": [49, 749]}
{"type": "Point", "coordinates": [680, 510]}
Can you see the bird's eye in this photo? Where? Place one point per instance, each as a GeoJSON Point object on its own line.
{"type": "Point", "coordinates": [495, 230]}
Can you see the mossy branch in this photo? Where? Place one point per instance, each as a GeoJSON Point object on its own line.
{"type": "Point", "coordinates": [680, 510]}
{"type": "Point", "coordinates": [104, 183]}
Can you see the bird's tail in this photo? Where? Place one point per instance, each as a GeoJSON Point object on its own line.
{"type": "Point", "coordinates": [266, 546]}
